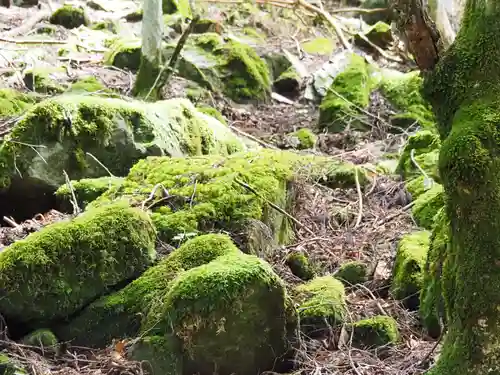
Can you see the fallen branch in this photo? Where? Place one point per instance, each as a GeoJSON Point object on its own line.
{"type": "Point", "coordinates": [360, 199]}
{"type": "Point", "coordinates": [277, 208]}
{"type": "Point", "coordinates": [251, 137]}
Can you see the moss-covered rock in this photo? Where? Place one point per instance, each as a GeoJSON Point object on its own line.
{"type": "Point", "coordinates": [88, 84]}
{"type": "Point", "coordinates": [115, 132]}
{"type": "Point", "coordinates": [288, 83]}
{"type": "Point", "coordinates": [302, 139]}
{"type": "Point", "coordinates": [322, 304]}
{"type": "Point", "coordinates": [299, 264]}
{"type": "Point", "coordinates": [124, 54]}
{"type": "Point", "coordinates": [374, 332]}
{"type": "Point", "coordinates": [207, 25]}
{"type": "Point", "coordinates": [86, 191]}
{"type": "Point", "coordinates": [13, 102]}
{"type": "Point", "coordinates": [121, 314]}
{"type": "Point", "coordinates": [107, 25]}
{"type": "Point", "coordinates": [426, 144]}
{"type": "Point", "coordinates": [177, 6]}
{"type": "Point", "coordinates": [431, 298]}
{"type": "Point", "coordinates": [53, 273]}
{"type": "Point", "coordinates": [408, 268]}
{"type": "Point", "coordinates": [427, 206]}
{"type": "Point", "coordinates": [350, 89]}
{"type": "Point", "coordinates": [158, 354]}
{"type": "Point", "coordinates": [403, 91]}
{"type": "Point", "coordinates": [41, 338]}
{"type": "Point", "coordinates": [231, 315]}
{"type": "Point", "coordinates": [344, 177]}
{"type": "Point", "coordinates": [352, 273]}
{"type": "Point", "coordinates": [44, 80]}
{"type": "Point", "coordinates": [417, 186]}
{"type": "Point", "coordinates": [379, 34]}
{"type": "Point", "coordinates": [70, 17]}
{"type": "Point", "coordinates": [209, 192]}
{"type": "Point", "coordinates": [211, 111]}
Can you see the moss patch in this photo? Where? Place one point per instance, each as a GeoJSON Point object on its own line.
{"type": "Point", "coordinates": [352, 273]}
{"type": "Point", "coordinates": [426, 144]}
{"type": "Point", "coordinates": [320, 46]}
{"type": "Point", "coordinates": [177, 6]}
{"type": "Point", "coordinates": [305, 137]}
{"type": "Point", "coordinates": [427, 206]}
{"type": "Point", "coordinates": [70, 17]}
{"type": "Point", "coordinates": [352, 84]}
{"type": "Point", "coordinates": [408, 268]}
{"type": "Point", "coordinates": [44, 80]}
{"type": "Point", "coordinates": [88, 84]}
{"type": "Point", "coordinates": [298, 263]}
{"type": "Point", "coordinates": [321, 304]}
{"type": "Point", "coordinates": [41, 338]}
{"type": "Point", "coordinates": [375, 332]}
{"type": "Point", "coordinates": [230, 316]}
{"type": "Point", "coordinates": [54, 272]}
{"type": "Point", "coordinates": [344, 176]}
{"type": "Point", "coordinates": [13, 102]}
{"type": "Point", "coordinates": [121, 314]}
{"type": "Point", "coordinates": [379, 34]}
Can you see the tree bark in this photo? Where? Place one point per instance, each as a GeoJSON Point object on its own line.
{"type": "Point", "coordinates": [464, 90]}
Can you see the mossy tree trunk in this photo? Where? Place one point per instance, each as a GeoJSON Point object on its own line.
{"type": "Point", "coordinates": [464, 89]}
{"type": "Point", "coordinates": [152, 33]}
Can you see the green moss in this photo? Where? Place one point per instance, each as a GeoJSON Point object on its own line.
{"type": "Point", "coordinates": [55, 272]}
{"type": "Point", "coordinates": [427, 206]}
{"type": "Point", "coordinates": [306, 138]}
{"type": "Point", "coordinates": [145, 82]}
{"type": "Point", "coordinates": [158, 354]}
{"type": "Point", "coordinates": [403, 91]}
{"type": "Point", "coordinates": [229, 316]}
{"type": "Point", "coordinates": [107, 25]}
{"type": "Point", "coordinates": [320, 46]}
{"type": "Point", "coordinates": [87, 84]}
{"type": "Point", "coordinates": [408, 268]}
{"type": "Point", "coordinates": [124, 54]}
{"type": "Point", "coordinates": [41, 338]}
{"type": "Point", "coordinates": [352, 84]}
{"type": "Point", "coordinates": [379, 34]}
{"type": "Point", "coordinates": [135, 16]}
{"type": "Point", "coordinates": [11, 366]}
{"type": "Point", "coordinates": [207, 25]}
{"type": "Point", "coordinates": [116, 132]}
{"type": "Point", "coordinates": [321, 304]}
{"type": "Point", "coordinates": [212, 112]}
{"type": "Point", "coordinates": [299, 264]}
{"type": "Point", "coordinates": [344, 177]}
{"type": "Point", "coordinates": [352, 273]}
{"type": "Point", "coordinates": [426, 144]}
{"type": "Point", "coordinates": [375, 332]}
{"type": "Point", "coordinates": [417, 186]}
{"type": "Point", "coordinates": [372, 18]}
{"type": "Point", "coordinates": [278, 63]}
{"type": "Point", "coordinates": [43, 80]}
{"type": "Point", "coordinates": [288, 83]}
{"type": "Point", "coordinates": [121, 314]}
{"type": "Point", "coordinates": [70, 17]}
{"type": "Point", "coordinates": [13, 102]}
{"type": "Point", "coordinates": [85, 190]}
{"type": "Point", "coordinates": [431, 300]}
{"type": "Point", "coordinates": [206, 192]}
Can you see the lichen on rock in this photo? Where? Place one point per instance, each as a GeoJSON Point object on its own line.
{"type": "Point", "coordinates": [408, 268]}
{"type": "Point", "coordinates": [56, 271]}
{"type": "Point", "coordinates": [322, 304]}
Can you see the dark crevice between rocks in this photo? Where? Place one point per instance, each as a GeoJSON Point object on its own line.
{"type": "Point", "coordinates": [25, 198]}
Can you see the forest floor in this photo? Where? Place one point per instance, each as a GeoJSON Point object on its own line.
{"type": "Point", "coordinates": [380, 214]}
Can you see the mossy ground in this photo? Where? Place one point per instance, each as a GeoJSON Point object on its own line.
{"type": "Point", "coordinates": [53, 273]}
{"type": "Point", "coordinates": [408, 268]}
{"type": "Point", "coordinates": [13, 102]}
{"type": "Point", "coordinates": [321, 304]}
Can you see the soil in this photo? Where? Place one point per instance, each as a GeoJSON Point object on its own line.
{"type": "Point", "coordinates": [379, 212]}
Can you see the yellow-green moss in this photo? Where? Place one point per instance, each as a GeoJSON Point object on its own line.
{"type": "Point", "coordinates": [70, 17]}
{"type": "Point", "coordinates": [55, 272]}
{"type": "Point", "coordinates": [228, 316]}
{"type": "Point", "coordinates": [408, 268]}
{"type": "Point", "coordinates": [43, 80]}
{"type": "Point", "coordinates": [344, 176]}
{"type": "Point", "coordinates": [417, 186]}
{"type": "Point", "coordinates": [288, 83]}
{"type": "Point", "coordinates": [108, 25]}
{"type": "Point", "coordinates": [379, 34]}
{"type": "Point", "coordinates": [86, 190]}
{"type": "Point", "coordinates": [13, 102]}
{"type": "Point", "coordinates": [121, 314]}
{"type": "Point", "coordinates": [158, 354]}
{"type": "Point", "coordinates": [320, 46]}
{"type": "Point", "coordinates": [374, 332]}
{"type": "Point", "coordinates": [41, 338]}
{"type": "Point", "coordinates": [212, 112]}
{"type": "Point", "coordinates": [321, 304]}
{"type": "Point", "coordinates": [177, 6]}
{"type": "Point", "coordinates": [426, 144]}
{"type": "Point", "coordinates": [352, 84]}
{"type": "Point", "coordinates": [206, 191]}
{"type": "Point", "coordinates": [124, 54]}
{"type": "Point", "coordinates": [427, 206]}
{"type": "Point", "coordinates": [432, 308]}
{"type": "Point", "coordinates": [87, 84]}
{"type": "Point", "coordinates": [352, 273]}
{"type": "Point", "coordinates": [11, 366]}
{"type": "Point", "coordinates": [300, 266]}
{"type": "Point", "coordinates": [403, 91]}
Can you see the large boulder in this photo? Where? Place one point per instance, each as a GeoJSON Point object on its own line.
{"type": "Point", "coordinates": [69, 132]}
{"type": "Point", "coordinates": [230, 316]}
{"type": "Point", "coordinates": [55, 272]}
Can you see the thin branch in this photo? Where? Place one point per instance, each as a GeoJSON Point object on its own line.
{"type": "Point", "coordinates": [360, 199]}
{"type": "Point", "coordinates": [101, 164]}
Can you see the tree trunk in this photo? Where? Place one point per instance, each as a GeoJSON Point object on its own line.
{"type": "Point", "coordinates": [464, 90]}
